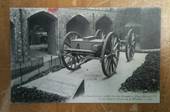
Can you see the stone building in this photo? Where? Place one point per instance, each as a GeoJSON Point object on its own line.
{"type": "Point", "coordinates": [46, 27]}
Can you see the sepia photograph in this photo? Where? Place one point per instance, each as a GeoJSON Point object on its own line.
{"type": "Point", "coordinates": [85, 55]}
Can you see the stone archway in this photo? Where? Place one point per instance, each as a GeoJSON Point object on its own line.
{"type": "Point", "coordinates": [42, 28]}
{"type": "Point", "coordinates": [104, 24]}
{"type": "Point", "coordinates": [79, 24]}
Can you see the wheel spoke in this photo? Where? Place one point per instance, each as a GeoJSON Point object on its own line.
{"type": "Point", "coordinates": [116, 46]}
{"type": "Point", "coordinates": [132, 51]}
{"type": "Point", "coordinates": [70, 63]}
{"type": "Point", "coordinates": [128, 50]}
{"type": "Point", "coordinates": [115, 61]}
{"type": "Point", "coordinates": [74, 61]}
{"type": "Point", "coordinates": [133, 48]}
{"type": "Point", "coordinates": [113, 68]}
{"type": "Point", "coordinates": [133, 43]}
{"type": "Point", "coordinates": [108, 66]}
{"type": "Point", "coordinates": [77, 59]}
{"type": "Point", "coordinates": [115, 41]}
{"type": "Point", "coordinates": [117, 54]}
{"type": "Point", "coordinates": [133, 37]}
{"type": "Point", "coordinates": [67, 55]}
{"type": "Point", "coordinates": [67, 44]}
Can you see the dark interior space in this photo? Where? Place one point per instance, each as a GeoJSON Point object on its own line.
{"type": "Point", "coordinates": [104, 24]}
{"type": "Point", "coordinates": [78, 24]}
{"type": "Point", "coordinates": [42, 32]}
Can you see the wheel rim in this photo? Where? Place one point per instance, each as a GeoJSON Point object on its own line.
{"type": "Point", "coordinates": [130, 45]}
{"type": "Point", "coordinates": [99, 34]}
{"type": "Point", "coordinates": [70, 60]}
{"type": "Point", "coordinates": [110, 54]}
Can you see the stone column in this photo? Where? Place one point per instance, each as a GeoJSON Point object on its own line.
{"type": "Point", "coordinates": [52, 39]}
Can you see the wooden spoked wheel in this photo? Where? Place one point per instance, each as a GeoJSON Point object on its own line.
{"type": "Point", "coordinates": [110, 54]}
{"type": "Point", "coordinates": [130, 45]}
{"type": "Point", "coordinates": [70, 60]}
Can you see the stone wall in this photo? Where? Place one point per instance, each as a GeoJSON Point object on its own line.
{"type": "Point", "coordinates": [150, 20]}
{"type": "Point", "coordinates": [17, 54]}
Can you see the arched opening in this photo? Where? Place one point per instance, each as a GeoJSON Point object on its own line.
{"type": "Point", "coordinates": [42, 28]}
{"type": "Point", "coordinates": [78, 24]}
{"type": "Point", "coordinates": [12, 29]}
{"type": "Point", "coordinates": [104, 24]}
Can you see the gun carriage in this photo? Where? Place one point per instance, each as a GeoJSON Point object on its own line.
{"type": "Point", "coordinates": [77, 50]}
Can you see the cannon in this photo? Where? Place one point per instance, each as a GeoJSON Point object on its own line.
{"type": "Point", "coordinates": [77, 50]}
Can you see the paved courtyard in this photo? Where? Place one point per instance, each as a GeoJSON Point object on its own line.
{"type": "Point", "coordinates": [97, 88]}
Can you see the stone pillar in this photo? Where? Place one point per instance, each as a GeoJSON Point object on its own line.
{"type": "Point", "coordinates": [52, 38]}
{"type": "Point", "coordinates": [91, 21]}
{"type": "Point", "coordinates": [62, 21]}
{"type": "Point", "coordinates": [23, 47]}
{"type": "Point", "coordinates": [14, 14]}
{"type": "Point", "coordinates": [25, 36]}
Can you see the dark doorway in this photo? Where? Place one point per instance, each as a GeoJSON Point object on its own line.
{"type": "Point", "coordinates": [104, 24]}
{"type": "Point", "coordinates": [78, 24]}
{"type": "Point", "coordinates": [43, 32]}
